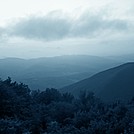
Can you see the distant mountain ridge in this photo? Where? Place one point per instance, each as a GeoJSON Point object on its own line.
{"type": "Point", "coordinates": [53, 72]}
{"type": "Point", "coordinates": [112, 84]}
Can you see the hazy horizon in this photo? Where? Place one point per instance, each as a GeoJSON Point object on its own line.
{"type": "Point", "coordinates": [32, 29]}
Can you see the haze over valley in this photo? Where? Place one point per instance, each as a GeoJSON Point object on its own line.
{"type": "Point", "coordinates": [54, 72]}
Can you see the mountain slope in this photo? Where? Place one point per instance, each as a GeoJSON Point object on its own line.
{"type": "Point", "coordinates": [53, 72]}
{"type": "Point", "coordinates": [112, 84]}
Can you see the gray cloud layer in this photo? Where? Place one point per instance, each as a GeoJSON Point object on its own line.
{"type": "Point", "coordinates": [56, 28]}
{"type": "Point", "coordinates": [41, 28]}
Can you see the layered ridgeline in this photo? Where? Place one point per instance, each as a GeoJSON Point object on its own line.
{"type": "Point", "coordinates": [113, 84]}
{"type": "Point", "coordinates": [53, 72]}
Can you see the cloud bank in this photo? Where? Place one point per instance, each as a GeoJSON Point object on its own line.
{"type": "Point", "coordinates": [55, 27]}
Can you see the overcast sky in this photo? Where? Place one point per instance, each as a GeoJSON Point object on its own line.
{"type": "Point", "coordinates": [38, 28]}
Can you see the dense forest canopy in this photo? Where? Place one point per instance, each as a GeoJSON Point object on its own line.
{"type": "Point", "coordinates": [23, 111]}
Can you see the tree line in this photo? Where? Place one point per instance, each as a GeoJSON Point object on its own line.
{"type": "Point", "coordinates": [24, 111]}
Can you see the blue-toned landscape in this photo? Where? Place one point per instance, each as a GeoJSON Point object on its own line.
{"type": "Point", "coordinates": [66, 67]}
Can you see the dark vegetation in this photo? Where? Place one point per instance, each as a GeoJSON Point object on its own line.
{"type": "Point", "coordinates": [23, 111]}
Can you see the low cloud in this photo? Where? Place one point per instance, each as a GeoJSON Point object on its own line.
{"type": "Point", "coordinates": [60, 27]}
{"type": "Point", "coordinates": [1, 32]}
{"type": "Point", "coordinates": [89, 25]}
{"type": "Point", "coordinates": [3, 35]}
{"type": "Point", "coordinates": [46, 28]}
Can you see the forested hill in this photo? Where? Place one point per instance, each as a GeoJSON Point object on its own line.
{"type": "Point", "coordinates": [112, 84]}
{"type": "Point", "coordinates": [23, 111]}
{"type": "Point", "coordinates": [53, 72]}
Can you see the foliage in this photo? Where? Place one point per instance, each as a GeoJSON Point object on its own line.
{"type": "Point", "coordinates": [23, 111]}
